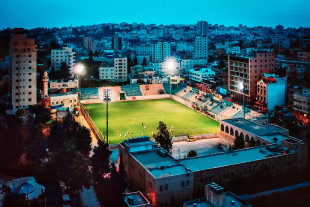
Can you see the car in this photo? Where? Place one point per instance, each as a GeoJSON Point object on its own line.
{"type": "Point", "coordinates": [191, 139]}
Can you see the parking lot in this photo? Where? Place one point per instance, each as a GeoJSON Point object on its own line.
{"type": "Point", "coordinates": [201, 146]}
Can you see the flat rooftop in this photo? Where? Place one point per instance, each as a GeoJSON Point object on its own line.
{"type": "Point", "coordinates": [227, 159]}
{"type": "Point", "coordinates": [255, 128]}
{"type": "Point", "coordinates": [159, 166]}
{"type": "Point", "coordinates": [137, 199]}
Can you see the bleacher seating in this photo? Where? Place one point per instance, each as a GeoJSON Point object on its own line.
{"type": "Point", "coordinates": [239, 114]}
{"type": "Point", "coordinates": [132, 90]}
{"type": "Point", "coordinates": [152, 89]}
{"type": "Point", "coordinates": [175, 88]}
{"type": "Point", "coordinates": [219, 108]}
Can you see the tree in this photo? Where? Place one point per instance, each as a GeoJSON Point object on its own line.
{"type": "Point", "coordinates": [42, 114]}
{"type": "Point", "coordinates": [192, 153]}
{"type": "Point", "coordinates": [68, 165]}
{"type": "Point", "coordinates": [135, 61]}
{"type": "Point", "coordinates": [34, 144]}
{"type": "Point", "coordinates": [144, 63]}
{"type": "Point", "coordinates": [100, 161]}
{"type": "Point", "coordinates": [239, 143]}
{"type": "Point", "coordinates": [163, 137]}
{"type": "Point", "coordinates": [64, 69]}
{"type": "Point", "coordinates": [69, 132]}
{"type": "Point", "coordinates": [275, 140]}
{"type": "Point", "coordinates": [10, 141]}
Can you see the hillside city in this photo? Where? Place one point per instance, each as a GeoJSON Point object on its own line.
{"type": "Point", "coordinates": [141, 115]}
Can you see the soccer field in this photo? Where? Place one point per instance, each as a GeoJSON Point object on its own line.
{"type": "Point", "coordinates": [129, 116]}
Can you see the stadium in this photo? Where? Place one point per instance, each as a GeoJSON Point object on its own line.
{"type": "Point", "coordinates": [135, 110]}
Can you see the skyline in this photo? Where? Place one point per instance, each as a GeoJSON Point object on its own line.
{"type": "Point", "coordinates": [288, 13]}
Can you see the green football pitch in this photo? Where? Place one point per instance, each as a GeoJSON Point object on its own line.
{"type": "Point", "coordinates": [128, 117]}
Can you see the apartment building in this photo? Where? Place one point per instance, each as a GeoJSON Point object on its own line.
{"type": "Point", "coordinates": [90, 44]}
{"type": "Point", "coordinates": [23, 70]}
{"type": "Point", "coordinates": [201, 47]}
{"type": "Point", "coordinates": [248, 70]}
{"type": "Point", "coordinates": [118, 73]}
{"type": "Point", "coordinates": [160, 52]}
{"type": "Point", "coordinates": [65, 55]}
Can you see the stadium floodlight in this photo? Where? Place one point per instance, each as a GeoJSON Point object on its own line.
{"type": "Point", "coordinates": [241, 86]}
{"type": "Point", "coordinates": [170, 66]}
{"type": "Point", "coordinates": [79, 71]}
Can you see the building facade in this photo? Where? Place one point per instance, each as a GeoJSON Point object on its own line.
{"type": "Point", "coordinates": [65, 55]}
{"type": "Point", "coordinates": [248, 70]}
{"type": "Point", "coordinates": [118, 73]}
{"type": "Point", "coordinates": [160, 52]}
{"type": "Point", "coordinates": [271, 91]}
{"type": "Point", "coordinates": [202, 28]}
{"type": "Point", "coordinates": [23, 70]}
{"type": "Point", "coordinates": [201, 47]}
{"type": "Point", "coordinates": [90, 44]}
{"type": "Point", "coordinates": [117, 43]}
{"type": "Point", "coordinates": [200, 75]}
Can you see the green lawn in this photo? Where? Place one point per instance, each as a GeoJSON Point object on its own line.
{"type": "Point", "coordinates": [149, 112]}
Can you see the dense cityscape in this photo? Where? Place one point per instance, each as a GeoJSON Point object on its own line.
{"type": "Point", "coordinates": [162, 115]}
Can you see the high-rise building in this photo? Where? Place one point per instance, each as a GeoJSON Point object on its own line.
{"type": "Point", "coordinates": [89, 44]}
{"type": "Point", "coordinates": [65, 55]}
{"type": "Point", "coordinates": [247, 71]}
{"type": "Point", "coordinates": [117, 42]}
{"type": "Point", "coordinates": [202, 28]}
{"type": "Point", "coordinates": [201, 47]}
{"type": "Point", "coordinates": [160, 51]}
{"type": "Point", "coordinates": [23, 70]}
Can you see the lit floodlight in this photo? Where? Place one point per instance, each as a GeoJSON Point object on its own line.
{"type": "Point", "coordinates": [241, 85]}
{"type": "Point", "coordinates": [79, 69]}
{"type": "Point", "coordinates": [171, 65]}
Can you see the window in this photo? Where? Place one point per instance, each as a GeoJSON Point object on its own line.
{"type": "Point", "coordinates": [187, 183]}
{"type": "Point", "coordinates": [183, 184]}
{"type": "Point", "coordinates": [161, 188]}
{"type": "Point", "coordinates": [29, 93]}
{"type": "Point", "coordinates": [29, 99]}
{"type": "Point", "coordinates": [29, 86]}
{"type": "Point", "coordinates": [166, 187]}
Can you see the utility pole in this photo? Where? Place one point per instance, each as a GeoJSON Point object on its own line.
{"type": "Point", "coordinates": [107, 98]}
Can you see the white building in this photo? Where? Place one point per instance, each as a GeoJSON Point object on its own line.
{"type": "Point", "coordinates": [106, 73]}
{"type": "Point", "coordinates": [200, 75]}
{"type": "Point", "coordinates": [118, 73]}
{"type": "Point", "coordinates": [55, 84]}
{"type": "Point", "coordinates": [23, 70]}
{"type": "Point", "coordinates": [64, 100]}
{"type": "Point", "coordinates": [65, 55]}
{"type": "Point", "coordinates": [201, 47]}
{"type": "Point", "coordinates": [189, 64]}
{"type": "Point", "coordinates": [160, 51]}
{"type": "Point", "coordinates": [271, 91]}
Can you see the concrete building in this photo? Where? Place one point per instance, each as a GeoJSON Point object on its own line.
{"type": "Point", "coordinates": [216, 197]}
{"type": "Point", "coordinates": [201, 47]}
{"type": "Point", "coordinates": [201, 75]}
{"type": "Point", "coordinates": [117, 43]}
{"type": "Point", "coordinates": [202, 28]}
{"type": "Point", "coordinates": [158, 175]}
{"type": "Point", "coordinates": [271, 91]}
{"type": "Point", "coordinates": [303, 56]}
{"type": "Point", "coordinates": [118, 73]}
{"type": "Point", "coordinates": [64, 100]}
{"type": "Point", "coordinates": [23, 70]}
{"type": "Point", "coordinates": [90, 44]}
{"type": "Point", "coordinates": [248, 70]}
{"type": "Point", "coordinates": [302, 101]}
{"type": "Point", "coordinates": [63, 85]}
{"type": "Point", "coordinates": [136, 199]}
{"type": "Point", "coordinates": [189, 64]}
{"type": "Point", "coordinates": [106, 73]}
{"type": "Point", "coordinates": [65, 55]}
{"type": "Point", "coordinates": [160, 52]}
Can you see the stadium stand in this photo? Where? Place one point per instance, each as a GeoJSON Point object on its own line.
{"type": "Point", "coordinates": [132, 90]}
{"type": "Point", "coordinates": [175, 88]}
{"type": "Point", "coordinates": [219, 108]}
{"type": "Point", "coordinates": [152, 89]}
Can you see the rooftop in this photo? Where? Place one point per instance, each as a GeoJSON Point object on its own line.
{"type": "Point", "coordinates": [255, 128]}
{"type": "Point", "coordinates": [227, 159]}
{"type": "Point", "coordinates": [135, 199]}
{"type": "Point", "coordinates": [159, 165]}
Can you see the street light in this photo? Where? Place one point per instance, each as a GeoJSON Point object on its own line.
{"type": "Point", "coordinates": [171, 67]}
{"type": "Point", "coordinates": [241, 86]}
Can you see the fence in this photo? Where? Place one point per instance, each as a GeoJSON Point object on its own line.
{"type": "Point", "coordinates": [91, 124]}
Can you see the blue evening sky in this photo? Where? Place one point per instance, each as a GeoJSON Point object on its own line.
{"type": "Point", "coordinates": [58, 13]}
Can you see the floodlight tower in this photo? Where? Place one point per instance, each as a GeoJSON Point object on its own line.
{"type": "Point", "coordinates": [241, 86]}
{"type": "Point", "coordinates": [171, 66]}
